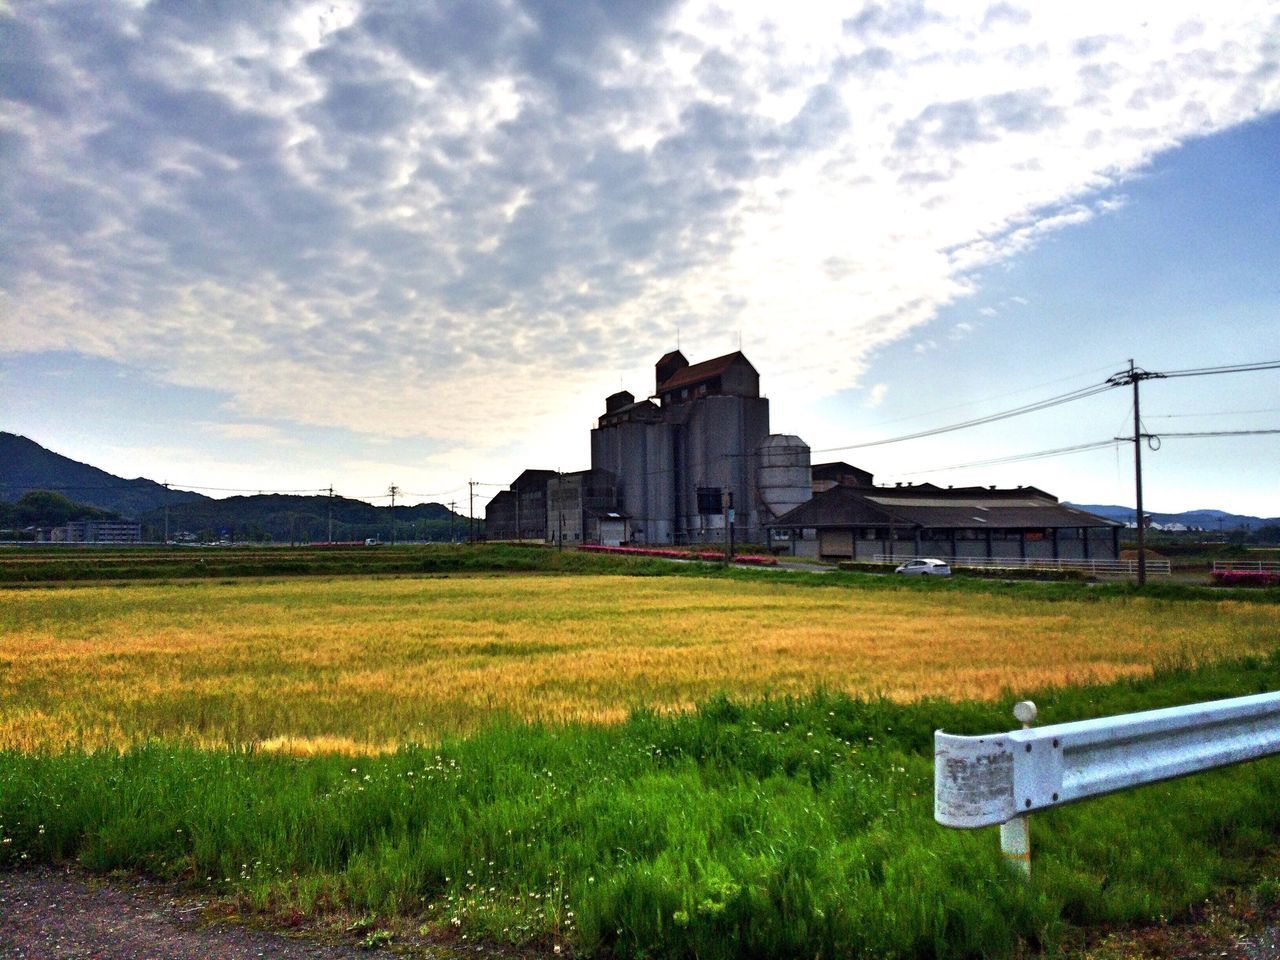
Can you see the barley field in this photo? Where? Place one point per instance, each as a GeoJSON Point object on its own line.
{"type": "Point", "coordinates": [361, 665]}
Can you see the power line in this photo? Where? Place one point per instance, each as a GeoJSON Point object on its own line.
{"type": "Point", "coordinates": [1230, 368]}
{"type": "Point", "coordinates": [993, 397]}
{"type": "Point", "coordinates": [1019, 457]}
{"type": "Point", "coordinates": [1216, 433]}
{"type": "Point", "coordinates": [1035, 407]}
{"type": "Point", "coordinates": [1216, 413]}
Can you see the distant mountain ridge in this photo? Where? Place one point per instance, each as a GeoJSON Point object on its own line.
{"type": "Point", "coordinates": [1206, 519]}
{"type": "Point", "coordinates": [26, 466]}
{"type": "Point", "coordinates": [288, 518]}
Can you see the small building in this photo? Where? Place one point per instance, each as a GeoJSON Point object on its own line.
{"type": "Point", "coordinates": [519, 512]}
{"type": "Point", "coordinates": [582, 507]}
{"type": "Point", "coordinates": [861, 523]}
{"type": "Point", "coordinates": [839, 474]}
{"type": "Point", "coordinates": [500, 516]}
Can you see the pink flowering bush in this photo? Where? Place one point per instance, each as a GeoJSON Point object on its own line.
{"type": "Point", "coordinates": [711, 556]}
{"type": "Point", "coordinates": [1246, 578]}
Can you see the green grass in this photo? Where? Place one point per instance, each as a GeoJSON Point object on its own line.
{"type": "Point", "coordinates": [767, 829]}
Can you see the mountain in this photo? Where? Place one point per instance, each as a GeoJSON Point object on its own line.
{"type": "Point", "coordinates": [25, 466]}
{"type": "Point", "coordinates": [285, 518]}
{"type": "Point", "coordinates": [1206, 519]}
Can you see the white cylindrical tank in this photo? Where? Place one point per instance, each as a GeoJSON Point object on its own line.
{"type": "Point", "coordinates": [783, 477]}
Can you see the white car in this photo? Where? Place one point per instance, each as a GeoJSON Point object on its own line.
{"type": "Point", "coordinates": [925, 568]}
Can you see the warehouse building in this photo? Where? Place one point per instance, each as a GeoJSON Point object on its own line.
{"type": "Point", "coordinates": [582, 508]}
{"type": "Point", "coordinates": [519, 512]}
{"type": "Point", "coordinates": [856, 522]}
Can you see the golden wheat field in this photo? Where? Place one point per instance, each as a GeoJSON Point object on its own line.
{"type": "Point", "coordinates": [360, 664]}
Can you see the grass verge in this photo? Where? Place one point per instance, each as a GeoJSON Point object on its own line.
{"type": "Point", "coordinates": [774, 828]}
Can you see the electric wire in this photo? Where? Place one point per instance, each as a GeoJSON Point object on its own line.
{"type": "Point", "coordinates": [1215, 413]}
{"type": "Point", "coordinates": [1035, 407]}
{"type": "Point", "coordinates": [1229, 368]}
{"type": "Point", "coordinates": [1020, 457]}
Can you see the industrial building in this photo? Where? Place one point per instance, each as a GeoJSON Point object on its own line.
{"type": "Point", "coordinates": [861, 522]}
{"type": "Point", "coordinates": [695, 463]}
{"type": "Point", "coordinates": [582, 508]}
{"type": "Point", "coordinates": [520, 512]}
{"type": "Point", "coordinates": [689, 458]}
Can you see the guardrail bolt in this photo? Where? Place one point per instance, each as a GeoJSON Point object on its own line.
{"type": "Point", "coordinates": [1015, 834]}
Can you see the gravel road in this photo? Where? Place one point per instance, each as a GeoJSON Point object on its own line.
{"type": "Point", "coordinates": [48, 913]}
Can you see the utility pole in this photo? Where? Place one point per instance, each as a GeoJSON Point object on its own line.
{"type": "Point", "coordinates": [166, 511]}
{"type": "Point", "coordinates": [471, 511]}
{"type": "Point", "coordinates": [453, 513]}
{"type": "Point", "coordinates": [1137, 479]}
{"type": "Point", "coordinates": [393, 490]}
{"type": "Point", "coordinates": [331, 513]}
{"type": "Point", "coordinates": [1135, 376]}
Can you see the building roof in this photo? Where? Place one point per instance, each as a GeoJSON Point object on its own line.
{"type": "Point", "coordinates": [620, 413]}
{"type": "Point", "coordinates": [837, 507]}
{"type": "Point", "coordinates": [954, 509]}
{"type": "Point", "coordinates": [935, 508]}
{"type": "Point", "coordinates": [698, 372]}
{"type": "Point", "coordinates": [532, 479]}
{"type": "Point", "coordinates": [834, 470]}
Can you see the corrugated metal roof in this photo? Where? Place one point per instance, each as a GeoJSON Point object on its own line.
{"type": "Point", "coordinates": [847, 507]}
{"type": "Point", "coordinates": [837, 507]}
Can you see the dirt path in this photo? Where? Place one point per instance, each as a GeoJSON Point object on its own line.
{"type": "Point", "coordinates": [48, 913]}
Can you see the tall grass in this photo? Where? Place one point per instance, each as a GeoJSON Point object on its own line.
{"type": "Point", "coordinates": [778, 828]}
{"type": "Point", "coordinates": [361, 665]}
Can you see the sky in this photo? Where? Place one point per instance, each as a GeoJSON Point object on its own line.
{"type": "Point", "coordinates": [285, 245]}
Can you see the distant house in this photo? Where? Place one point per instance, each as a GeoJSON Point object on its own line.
{"type": "Point", "coordinates": [861, 523]}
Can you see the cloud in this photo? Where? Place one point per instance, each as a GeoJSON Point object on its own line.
{"type": "Point", "coordinates": [876, 395]}
{"type": "Point", "coordinates": [463, 219]}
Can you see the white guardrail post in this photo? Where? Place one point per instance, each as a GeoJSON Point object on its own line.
{"type": "Point", "coordinates": [1015, 833]}
{"type": "Point", "coordinates": [1002, 778]}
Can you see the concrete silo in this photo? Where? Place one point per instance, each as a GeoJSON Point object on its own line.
{"type": "Point", "coordinates": [783, 480]}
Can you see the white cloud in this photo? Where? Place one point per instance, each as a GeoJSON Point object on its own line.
{"type": "Point", "coordinates": [463, 225]}
{"type": "Point", "coordinates": [876, 395]}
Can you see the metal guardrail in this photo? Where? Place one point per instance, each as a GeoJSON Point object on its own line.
{"type": "Point", "coordinates": [1001, 778]}
{"type": "Point", "coordinates": [1154, 567]}
{"type": "Point", "coordinates": [1246, 566]}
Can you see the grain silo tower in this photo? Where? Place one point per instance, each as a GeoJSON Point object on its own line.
{"type": "Point", "coordinates": [783, 480]}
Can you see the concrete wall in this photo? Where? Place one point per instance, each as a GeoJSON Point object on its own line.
{"type": "Point", "coordinates": [711, 451]}
{"type": "Point", "coordinates": [840, 543]}
{"type": "Point", "coordinates": [740, 379]}
{"type": "Point", "coordinates": [640, 456]}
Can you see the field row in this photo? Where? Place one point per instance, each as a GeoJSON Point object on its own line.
{"type": "Point", "coordinates": [364, 664]}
